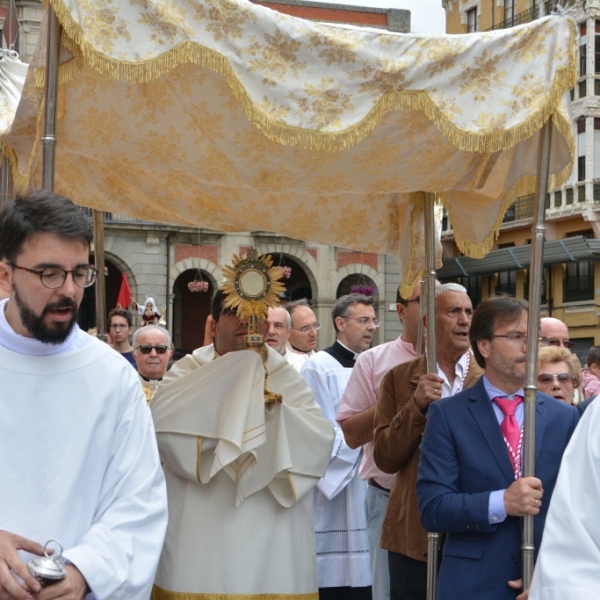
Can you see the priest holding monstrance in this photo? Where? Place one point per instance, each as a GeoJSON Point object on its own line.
{"type": "Point", "coordinates": [242, 442]}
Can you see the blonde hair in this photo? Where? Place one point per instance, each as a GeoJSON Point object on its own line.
{"type": "Point", "coordinates": [556, 354]}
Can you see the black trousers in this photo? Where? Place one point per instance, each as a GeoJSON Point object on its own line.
{"type": "Point", "coordinates": [345, 593]}
{"type": "Point", "coordinates": [408, 577]}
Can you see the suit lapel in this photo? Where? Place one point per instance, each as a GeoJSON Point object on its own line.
{"type": "Point", "coordinates": [540, 423]}
{"type": "Point", "coordinates": [482, 411]}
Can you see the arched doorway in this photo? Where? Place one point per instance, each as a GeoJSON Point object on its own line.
{"type": "Point", "coordinates": [87, 311]}
{"type": "Point", "coordinates": [298, 285]}
{"type": "Point", "coordinates": [190, 310]}
{"type": "Point", "coordinates": [357, 279]}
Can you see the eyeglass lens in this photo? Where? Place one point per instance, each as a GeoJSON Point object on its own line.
{"type": "Point", "coordinates": [146, 349]}
{"type": "Point", "coordinates": [549, 377]}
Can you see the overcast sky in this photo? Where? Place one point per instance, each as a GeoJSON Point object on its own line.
{"type": "Point", "coordinates": [426, 16]}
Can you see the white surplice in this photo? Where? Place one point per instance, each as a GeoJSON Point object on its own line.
{"type": "Point", "coordinates": [568, 563]}
{"type": "Point", "coordinates": [79, 463]}
{"type": "Point", "coordinates": [343, 556]}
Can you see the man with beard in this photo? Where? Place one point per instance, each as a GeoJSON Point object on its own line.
{"type": "Point", "coordinates": [470, 484]}
{"type": "Point", "coordinates": [405, 396]}
{"type": "Point", "coordinates": [78, 456]}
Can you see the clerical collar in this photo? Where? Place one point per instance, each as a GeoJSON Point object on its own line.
{"type": "Point", "coordinates": [354, 354]}
{"type": "Point", "coordinates": [343, 355]}
{"type": "Point", "coordinates": [149, 380]}
{"type": "Point", "coordinates": [300, 351]}
{"type": "Point", "coordinates": [11, 340]}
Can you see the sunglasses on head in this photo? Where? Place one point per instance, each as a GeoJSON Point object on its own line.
{"type": "Point", "coordinates": [147, 348]}
{"type": "Point", "coordinates": [549, 377]}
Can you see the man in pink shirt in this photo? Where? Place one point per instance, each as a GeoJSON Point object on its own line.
{"type": "Point", "coordinates": [355, 416]}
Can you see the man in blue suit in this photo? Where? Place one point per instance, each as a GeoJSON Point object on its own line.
{"type": "Point", "coordinates": [469, 483]}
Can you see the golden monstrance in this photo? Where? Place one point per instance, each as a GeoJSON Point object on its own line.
{"type": "Point", "coordinates": [252, 286]}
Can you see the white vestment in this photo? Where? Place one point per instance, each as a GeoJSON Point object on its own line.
{"type": "Point", "coordinates": [79, 464]}
{"type": "Point", "coordinates": [568, 563]}
{"type": "Point", "coordinates": [238, 475]}
{"type": "Point", "coordinates": [343, 557]}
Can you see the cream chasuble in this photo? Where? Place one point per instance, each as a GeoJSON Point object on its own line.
{"type": "Point", "coordinates": [238, 473]}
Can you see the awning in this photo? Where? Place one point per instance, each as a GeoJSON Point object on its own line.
{"type": "Point", "coordinates": [519, 257]}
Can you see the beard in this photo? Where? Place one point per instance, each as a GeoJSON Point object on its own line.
{"type": "Point", "coordinates": [35, 323]}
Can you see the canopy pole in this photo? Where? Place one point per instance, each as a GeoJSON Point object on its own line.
{"type": "Point", "coordinates": [50, 100]}
{"type": "Point", "coordinates": [433, 539]}
{"type": "Point", "coordinates": [49, 160]}
{"type": "Point", "coordinates": [533, 331]}
{"type": "Point", "coordinates": [101, 280]}
{"type": "Point", "coordinates": [422, 309]}
{"type": "Point", "coordinates": [7, 182]}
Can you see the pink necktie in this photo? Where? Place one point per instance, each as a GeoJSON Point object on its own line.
{"type": "Point", "coordinates": [510, 426]}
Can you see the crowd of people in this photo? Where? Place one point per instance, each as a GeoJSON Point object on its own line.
{"type": "Point", "coordinates": [285, 473]}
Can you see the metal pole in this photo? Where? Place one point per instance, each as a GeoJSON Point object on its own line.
{"type": "Point", "coordinates": [433, 538]}
{"type": "Point", "coordinates": [422, 309]}
{"type": "Point", "coordinates": [7, 182]}
{"type": "Point", "coordinates": [50, 99]}
{"type": "Point", "coordinates": [533, 331]}
{"type": "Point", "coordinates": [101, 281]}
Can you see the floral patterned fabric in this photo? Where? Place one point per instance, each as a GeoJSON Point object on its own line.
{"type": "Point", "coordinates": [228, 115]}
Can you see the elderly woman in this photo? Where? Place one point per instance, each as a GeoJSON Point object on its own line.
{"type": "Point", "coordinates": [559, 373]}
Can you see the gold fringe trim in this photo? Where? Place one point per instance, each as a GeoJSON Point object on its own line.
{"type": "Point", "coordinates": [524, 186]}
{"type": "Point", "coordinates": [159, 593]}
{"type": "Point", "coordinates": [288, 135]}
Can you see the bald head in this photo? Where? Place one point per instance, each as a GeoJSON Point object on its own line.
{"type": "Point", "coordinates": [554, 332]}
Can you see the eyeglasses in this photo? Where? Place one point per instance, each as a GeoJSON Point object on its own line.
{"type": "Point", "coordinates": [54, 277]}
{"type": "Point", "coordinates": [147, 348]}
{"type": "Point", "coordinates": [316, 326]}
{"type": "Point", "coordinates": [364, 321]}
{"type": "Point", "coordinates": [405, 302]}
{"type": "Point", "coordinates": [544, 341]}
{"type": "Point", "coordinates": [119, 326]}
{"type": "Point", "coordinates": [549, 377]}
{"type": "Point", "coordinates": [514, 337]}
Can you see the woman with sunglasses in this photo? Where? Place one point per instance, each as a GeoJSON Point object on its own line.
{"type": "Point", "coordinates": [559, 373]}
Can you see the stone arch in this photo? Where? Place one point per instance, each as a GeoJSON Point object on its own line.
{"type": "Point", "coordinates": [195, 263]}
{"type": "Point", "coordinates": [358, 269]}
{"type": "Point", "coordinates": [189, 311]}
{"type": "Point", "coordinates": [87, 309]}
{"type": "Point", "coordinates": [299, 255]}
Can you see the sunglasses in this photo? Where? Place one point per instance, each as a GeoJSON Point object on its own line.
{"type": "Point", "coordinates": [147, 348]}
{"type": "Point", "coordinates": [549, 377]}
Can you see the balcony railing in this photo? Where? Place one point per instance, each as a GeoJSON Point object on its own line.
{"type": "Point", "coordinates": [523, 17]}
{"type": "Point", "coordinates": [522, 209]}
{"type": "Point", "coordinates": [578, 288]}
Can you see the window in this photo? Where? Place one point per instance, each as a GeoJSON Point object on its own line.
{"type": "Point", "coordinates": [597, 54]}
{"type": "Point", "coordinates": [581, 168]}
{"type": "Point", "coordinates": [507, 283]}
{"type": "Point", "coordinates": [509, 11]}
{"type": "Point", "coordinates": [578, 283]}
{"type": "Point", "coordinates": [473, 287]}
{"type": "Point", "coordinates": [472, 20]}
{"type": "Point", "coordinates": [582, 59]}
